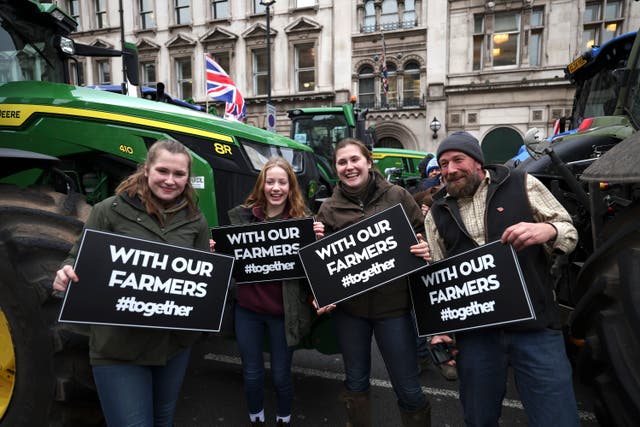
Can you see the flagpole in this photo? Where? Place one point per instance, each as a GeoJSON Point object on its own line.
{"type": "Point", "coordinates": [206, 95]}
{"type": "Point", "coordinates": [383, 70]}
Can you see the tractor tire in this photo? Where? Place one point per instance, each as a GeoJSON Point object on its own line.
{"type": "Point", "coordinates": [608, 320]}
{"type": "Point", "coordinates": [50, 381]}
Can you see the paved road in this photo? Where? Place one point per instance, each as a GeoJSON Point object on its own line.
{"type": "Point", "coordinates": [212, 394]}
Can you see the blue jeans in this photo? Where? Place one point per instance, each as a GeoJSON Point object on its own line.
{"type": "Point", "coordinates": [397, 343]}
{"type": "Point", "coordinates": [251, 328]}
{"type": "Point", "coordinates": [422, 345]}
{"type": "Point", "coordinates": [542, 375]}
{"type": "Point", "coordinates": [138, 395]}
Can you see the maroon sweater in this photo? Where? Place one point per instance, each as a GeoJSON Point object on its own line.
{"type": "Point", "coordinates": [265, 297]}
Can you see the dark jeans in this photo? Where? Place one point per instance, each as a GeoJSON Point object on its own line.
{"type": "Point", "coordinates": [397, 343]}
{"type": "Point", "coordinates": [141, 396]}
{"type": "Point", "coordinates": [422, 344]}
{"type": "Point", "coordinates": [251, 329]}
{"type": "Point", "coordinates": [542, 375]}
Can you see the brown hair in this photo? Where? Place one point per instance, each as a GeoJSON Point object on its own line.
{"type": "Point", "coordinates": [352, 141]}
{"type": "Point", "coordinates": [137, 184]}
{"type": "Point", "coordinates": [295, 200]}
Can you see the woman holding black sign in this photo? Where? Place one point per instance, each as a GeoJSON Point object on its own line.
{"type": "Point", "coordinates": [279, 311]}
{"type": "Point", "coordinates": [138, 371]}
{"type": "Point", "coordinates": [383, 311]}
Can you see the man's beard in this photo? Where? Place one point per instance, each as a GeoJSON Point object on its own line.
{"type": "Point", "coordinates": [467, 189]}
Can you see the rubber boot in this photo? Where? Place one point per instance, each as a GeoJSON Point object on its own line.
{"type": "Point", "coordinates": [419, 418]}
{"type": "Point", "coordinates": [358, 407]}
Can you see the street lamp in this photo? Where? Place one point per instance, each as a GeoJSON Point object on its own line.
{"type": "Point", "coordinates": [435, 126]}
{"type": "Point", "coordinates": [268, 4]}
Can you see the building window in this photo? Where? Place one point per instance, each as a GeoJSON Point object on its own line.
{"type": "Point", "coordinates": [219, 9]}
{"type": "Point", "coordinates": [148, 73]}
{"type": "Point", "coordinates": [223, 60]}
{"type": "Point", "coordinates": [409, 17]}
{"type": "Point", "coordinates": [602, 22]}
{"type": "Point", "coordinates": [104, 72]}
{"type": "Point", "coordinates": [411, 84]}
{"type": "Point", "coordinates": [76, 72]}
{"type": "Point", "coordinates": [366, 87]}
{"type": "Point", "coordinates": [259, 8]}
{"type": "Point", "coordinates": [183, 12]}
{"type": "Point", "coordinates": [73, 8]}
{"type": "Point", "coordinates": [305, 67]}
{"type": "Point", "coordinates": [535, 36]}
{"type": "Point", "coordinates": [305, 3]}
{"type": "Point", "coordinates": [389, 15]}
{"type": "Point", "coordinates": [505, 40]}
{"type": "Point", "coordinates": [478, 42]}
{"type": "Point", "coordinates": [369, 24]}
{"type": "Point", "coordinates": [260, 74]}
{"type": "Point", "coordinates": [146, 14]}
{"type": "Point", "coordinates": [183, 78]}
{"type": "Point", "coordinates": [536, 116]}
{"type": "Point", "coordinates": [391, 99]}
{"type": "Point", "coordinates": [101, 13]}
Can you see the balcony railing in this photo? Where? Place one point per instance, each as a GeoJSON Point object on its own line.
{"type": "Point", "coordinates": [394, 103]}
{"type": "Point", "coordinates": [389, 26]}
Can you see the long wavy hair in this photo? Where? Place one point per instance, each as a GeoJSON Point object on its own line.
{"type": "Point", "coordinates": [295, 201]}
{"type": "Point", "coordinates": [137, 185]}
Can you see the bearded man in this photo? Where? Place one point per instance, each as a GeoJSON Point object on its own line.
{"type": "Point", "coordinates": [480, 204]}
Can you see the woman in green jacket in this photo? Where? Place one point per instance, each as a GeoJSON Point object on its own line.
{"type": "Point", "coordinates": [383, 311]}
{"type": "Point", "coordinates": [279, 310]}
{"type": "Point", "coordinates": [139, 371]}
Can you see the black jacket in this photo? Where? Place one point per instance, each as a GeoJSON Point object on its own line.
{"type": "Point", "coordinates": [506, 189]}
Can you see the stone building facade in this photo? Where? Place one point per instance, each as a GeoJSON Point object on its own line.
{"type": "Point", "coordinates": [492, 68]}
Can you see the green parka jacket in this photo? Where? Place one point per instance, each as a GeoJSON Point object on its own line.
{"type": "Point", "coordinates": [339, 211]}
{"type": "Point", "coordinates": [298, 313]}
{"type": "Point", "coordinates": [140, 346]}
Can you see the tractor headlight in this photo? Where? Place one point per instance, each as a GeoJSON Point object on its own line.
{"type": "Point", "coordinates": [67, 46]}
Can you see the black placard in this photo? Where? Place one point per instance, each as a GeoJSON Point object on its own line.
{"type": "Point", "coordinates": [133, 282]}
{"type": "Point", "coordinates": [478, 288]}
{"type": "Point", "coordinates": [265, 251]}
{"type": "Point", "coordinates": [361, 257]}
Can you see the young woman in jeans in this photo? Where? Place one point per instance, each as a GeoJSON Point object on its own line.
{"type": "Point", "coordinates": [139, 371]}
{"type": "Point", "coordinates": [383, 311]}
{"type": "Point", "coordinates": [279, 310]}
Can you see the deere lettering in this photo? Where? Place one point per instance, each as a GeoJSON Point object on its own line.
{"type": "Point", "coordinates": [9, 114]}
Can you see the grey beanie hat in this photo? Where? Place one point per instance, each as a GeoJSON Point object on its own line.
{"type": "Point", "coordinates": [461, 141]}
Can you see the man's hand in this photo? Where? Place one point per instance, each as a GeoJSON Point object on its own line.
{"type": "Point", "coordinates": [524, 234]}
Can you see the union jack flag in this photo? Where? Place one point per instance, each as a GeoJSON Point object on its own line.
{"type": "Point", "coordinates": [221, 88]}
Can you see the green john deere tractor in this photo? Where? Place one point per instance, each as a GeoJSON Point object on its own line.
{"type": "Point", "coordinates": [62, 149]}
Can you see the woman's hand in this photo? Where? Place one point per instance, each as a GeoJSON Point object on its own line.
{"type": "Point", "coordinates": [318, 228]}
{"type": "Point", "coordinates": [63, 276]}
{"type": "Point", "coordinates": [421, 249]}
{"type": "Point", "coordinates": [212, 245]}
{"type": "Point", "coordinates": [322, 310]}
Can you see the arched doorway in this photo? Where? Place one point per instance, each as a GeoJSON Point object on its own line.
{"type": "Point", "coordinates": [501, 144]}
{"type": "Point", "coordinates": [388, 142]}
